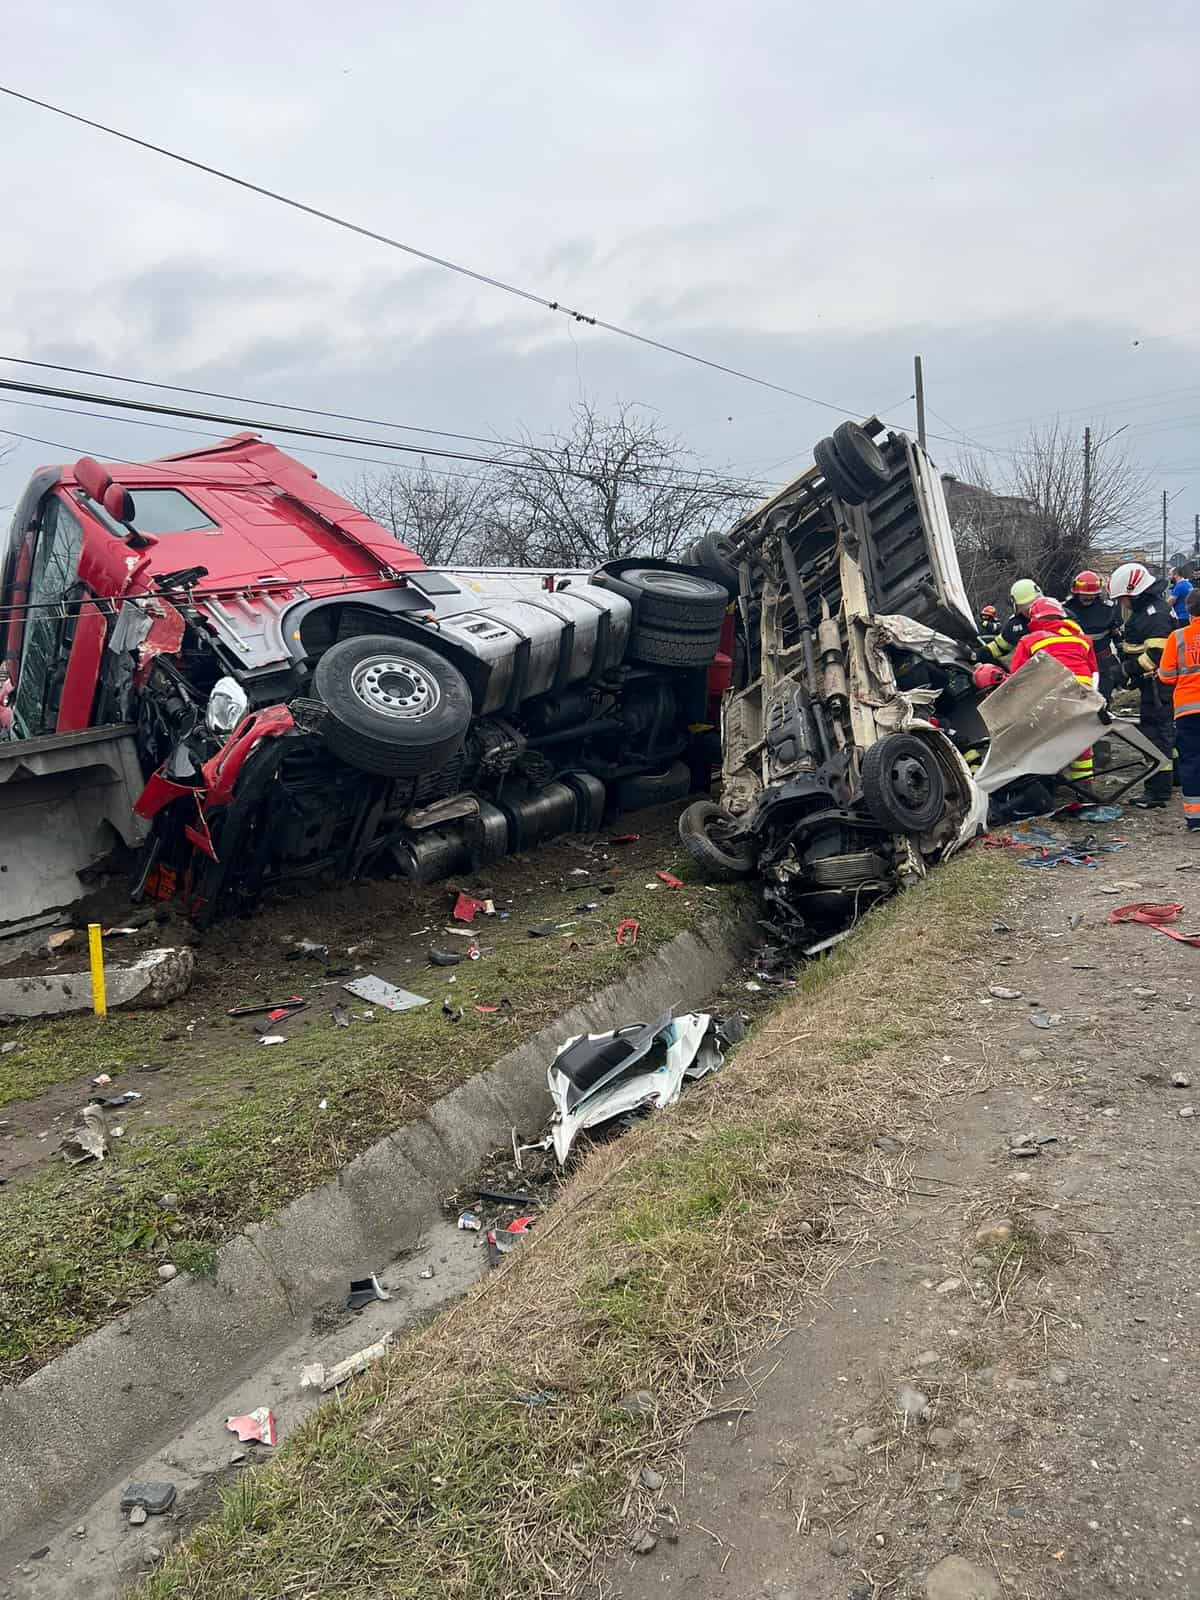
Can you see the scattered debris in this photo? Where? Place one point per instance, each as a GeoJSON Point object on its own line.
{"type": "Point", "coordinates": [451, 1013]}
{"type": "Point", "coordinates": [445, 958]}
{"type": "Point", "coordinates": [470, 1221]}
{"type": "Point", "coordinates": [341, 1016]}
{"type": "Point", "coordinates": [998, 992]}
{"type": "Point", "coordinates": [378, 992]}
{"type": "Point", "coordinates": [1180, 1080]}
{"type": "Point", "coordinates": [467, 908]}
{"type": "Point", "coordinates": [309, 948]}
{"type": "Point", "coordinates": [603, 1077]}
{"type": "Point", "coordinates": [1046, 1019]}
{"type": "Point", "coordinates": [364, 1290]}
{"type": "Point", "coordinates": [91, 1141]}
{"type": "Point", "coordinates": [317, 1376]}
{"type": "Point", "coordinates": [272, 1038]}
{"type": "Point", "coordinates": [117, 1100]}
{"type": "Point", "coordinates": [669, 878]}
{"type": "Point", "coordinates": [254, 1427]}
{"type": "Point", "coordinates": [625, 838]}
{"type": "Point", "coordinates": [425, 1272]}
{"type": "Point", "coordinates": [274, 1010]}
{"type": "Point", "coordinates": [6, 1049]}
{"type": "Point", "coordinates": [60, 940]}
{"type": "Point", "coordinates": [500, 1197]}
{"type": "Point", "coordinates": [627, 932]}
{"type": "Point", "coordinates": [643, 1541]}
{"type": "Point", "coordinates": [651, 1480]}
{"type": "Point", "coordinates": [1154, 916]}
{"type": "Point", "coordinates": [543, 930]}
{"type": "Point", "coordinates": [1074, 920]}
{"type": "Point", "coordinates": [137, 1516]}
{"type": "Point", "coordinates": [155, 1497]}
{"type": "Point", "coordinates": [166, 1272]}
{"type": "Point", "coordinates": [1187, 1111]}
{"type": "Point", "coordinates": [1099, 814]}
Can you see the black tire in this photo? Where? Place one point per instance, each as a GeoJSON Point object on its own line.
{"type": "Point", "coordinates": [655, 648]}
{"type": "Point", "coordinates": [700, 829]}
{"type": "Point", "coordinates": [711, 551]}
{"type": "Point", "coordinates": [655, 788]}
{"type": "Point", "coordinates": [902, 784]}
{"type": "Point", "coordinates": [835, 475]}
{"type": "Point", "coordinates": [676, 600]}
{"type": "Point", "coordinates": [396, 708]}
{"type": "Point", "coordinates": [860, 457]}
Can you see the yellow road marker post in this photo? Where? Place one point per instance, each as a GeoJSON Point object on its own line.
{"type": "Point", "coordinates": [96, 951]}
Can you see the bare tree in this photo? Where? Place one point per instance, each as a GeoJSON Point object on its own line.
{"type": "Point", "coordinates": [444, 516]}
{"type": "Point", "coordinates": [616, 485]}
{"type": "Point", "coordinates": [1045, 517]}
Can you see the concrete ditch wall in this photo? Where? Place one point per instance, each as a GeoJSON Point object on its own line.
{"type": "Point", "coordinates": [107, 1402]}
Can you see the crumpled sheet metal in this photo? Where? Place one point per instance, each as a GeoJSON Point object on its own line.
{"type": "Point", "coordinates": [686, 1046]}
{"type": "Point", "coordinates": [1039, 721]}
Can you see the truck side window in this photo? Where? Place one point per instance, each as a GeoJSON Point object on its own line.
{"type": "Point", "coordinates": [48, 625]}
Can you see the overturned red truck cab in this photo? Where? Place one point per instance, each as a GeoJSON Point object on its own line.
{"type": "Point", "coordinates": [219, 662]}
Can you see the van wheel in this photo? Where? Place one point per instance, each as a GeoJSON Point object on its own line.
{"type": "Point", "coordinates": [703, 831]}
{"type": "Point", "coordinates": [902, 784]}
{"type": "Point", "coordinates": [396, 708]}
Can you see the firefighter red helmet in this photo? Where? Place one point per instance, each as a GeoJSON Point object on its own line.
{"type": "Point", "coordinates": [1044, 609]}
{"type": "Point", "coordinates": [988, 677]}
{"type": "Point", "coordinates": [988, 611]}
{"type": "Point", "coordinates": [1087, 582]}
{"type": "Point", "coordinates": [1129, 580]}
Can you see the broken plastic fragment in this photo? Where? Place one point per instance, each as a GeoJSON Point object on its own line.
{"type": "Point", "coordinates": [669, 878]}
{"type": "Point", "coordinates": [445, 958]}
{"type": "Point", "coordinates": [257, 1426]}
{"type": "Point", "coordinates": [364, 1290]}
{"type": "Point", "coordinates": [89, 1143]}
{"type": "Point", "coordinates": [467, 908]}
{"type": "Point", "coordinates": [627, 932]}
{"type": "Point", "coordinates": [272, 1038]}
{"type": "Point", "coordinates": [625, 838]}
{"type": "Point", "coordinates": [317, 1376]}
{"type": "Point", "coordinates": [469, 1222]}
{"type": "Point", "coordinates": [155, 1497]}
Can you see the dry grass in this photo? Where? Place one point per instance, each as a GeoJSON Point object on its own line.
{"type": "Point", "coordinates": [675, 1254]}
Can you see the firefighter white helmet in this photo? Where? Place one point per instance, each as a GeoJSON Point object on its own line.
{"type": "Point", "coordinates": [1129, 580]}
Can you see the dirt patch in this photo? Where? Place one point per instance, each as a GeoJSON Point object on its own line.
{"type": "Point", "coordinates": [995, 1401]}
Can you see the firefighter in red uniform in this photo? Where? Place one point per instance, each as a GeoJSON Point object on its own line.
{"type": "Point", "coordinates": [1051, 630]}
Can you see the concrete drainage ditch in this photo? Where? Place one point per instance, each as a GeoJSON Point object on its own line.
{"type": "Point", "coordinates": [147, 1396]}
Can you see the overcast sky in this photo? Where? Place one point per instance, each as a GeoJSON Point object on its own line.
{"type": "Point", "coordinates": [808, 192]}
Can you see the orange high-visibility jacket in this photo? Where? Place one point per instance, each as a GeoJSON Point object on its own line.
{"type": "Point", "coordinates": [1065, 641]}
{"type": "Point", "coordinates": [1180, 667]}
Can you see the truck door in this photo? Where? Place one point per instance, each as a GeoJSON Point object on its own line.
{"type": "Point", "coordinates": [58, 615]}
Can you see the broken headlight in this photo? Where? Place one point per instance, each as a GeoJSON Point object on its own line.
{"type": "Point", "coordinates": [227, 705]}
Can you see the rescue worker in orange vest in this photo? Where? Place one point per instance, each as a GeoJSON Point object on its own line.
{"type": "Point", "coordinates": [1051, 630]}
{"type": "Point", "coordinates": [1180, 669]}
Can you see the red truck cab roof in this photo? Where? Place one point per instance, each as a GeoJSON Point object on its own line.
{"type": "Point", "coordinates": [250, 514]}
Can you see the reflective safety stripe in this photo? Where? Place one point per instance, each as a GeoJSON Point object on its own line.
{"type": "Point", "coordinates": [1191, 807]}
{"type": "Point", "coordinates": [1145, 662]}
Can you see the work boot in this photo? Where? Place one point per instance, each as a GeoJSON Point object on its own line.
{"type": "Point", "coordinates": [1147, 802]}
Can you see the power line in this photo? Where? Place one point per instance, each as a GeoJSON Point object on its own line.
{"type": "Point", "coordinates": [422, 255]}
{"type": "Point", "coordinates": [257, 424]}
{"type": "Point", "coordinates": [243, 400]}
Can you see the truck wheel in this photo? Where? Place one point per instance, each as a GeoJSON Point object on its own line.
{"type": "Point", "coordinates": [395, 707]}
{"type": "Point", "coordinates": [861, 458]}
{"type": "Point", "coordinates": [682, 602]}
{"type": "Point", "coordinates": [654, 788]}
{"type": "Point", "coordinates": [902, 784]}
{"type": "Point", "coordinates": [703, 831]}
{"type": "Point", "coordinates": [839, 480]}
{"type": "Point", "coordinates": [654, 647]}
{"type": "Point", "coordinates": [711, 551]}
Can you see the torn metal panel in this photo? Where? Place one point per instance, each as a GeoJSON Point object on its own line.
{"type": "Point", "coordinates": [65, 801]}
{"type": "Point", "coordinates": [648, 1077]}
{"type": "Point", "coordinates": [1039, 720]}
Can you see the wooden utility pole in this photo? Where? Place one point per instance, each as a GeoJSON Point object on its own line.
{"type": "Point", "coordinates": [919, 374]}
{"type": "Point", "coordinates": [1164, 550]}
{"type": "Point", "coordinates": [1086, 514]}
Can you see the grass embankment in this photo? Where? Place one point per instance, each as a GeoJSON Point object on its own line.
{"type": "Point", "coordinates": [492, 1451]}
{"type": "Point", "coordinates": [79, 1245]}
